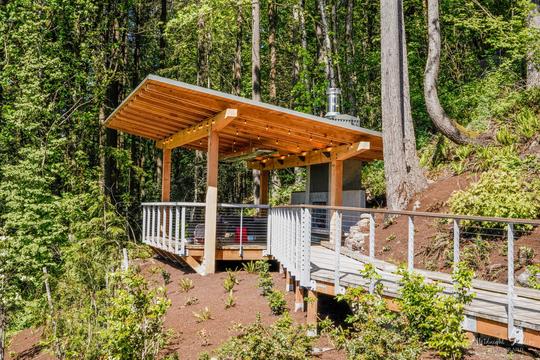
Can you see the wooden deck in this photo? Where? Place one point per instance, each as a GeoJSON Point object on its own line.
{"type": "Point", "coordinates": [486, 314]}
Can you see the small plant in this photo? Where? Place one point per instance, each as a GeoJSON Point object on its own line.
{"type": "Point", "coordinates": [277, 302]}
{"type": "Point", "coordinates": [192, 300]}
{"type": "Point", "coordinates": [525, 255]}
{"type": "Point", "coordinates": [265, 284]}
{"type": "Point", "coordinates": [528, 123]}
{"type": "Point", "coordinates": [391, 237]}
{"type": "Point", "coordinates": [534, 271]}
{"type": "Point", "coordinates": [230, 281]}
{"type": "Point", "coordinates": [386, 248]}
{"type": "Point", "coordinates": [203, 315]}
{"type": "Point", "coordinates": [281, 340]}
{"type": "Point", "coordinates": [250, 267]}
{"type": "Point", "coordinates": [166, 276]}
{"type": "Point", "coordinates": [230, 301]}
{"type": "Point", "coordinates": [204, 337]}
{"type": "Point", "coordinates": [186, 284]}
{"type": "Point", "coordinates": [262, 266]}
{"type": "Point", "coordinates": [505, 136]}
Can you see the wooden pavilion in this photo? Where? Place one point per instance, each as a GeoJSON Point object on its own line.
{"type": "Point", "coordinates": [176, 114]}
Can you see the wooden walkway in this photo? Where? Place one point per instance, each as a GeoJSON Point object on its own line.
{"type": "Point", "coordinates": [490, 302]}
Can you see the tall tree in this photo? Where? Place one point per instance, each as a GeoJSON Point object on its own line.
{"type": "Point", "coordinates": [237, 64]}
{"type": "Point", "coordinates": [449, 127]}
{"type": "Point", "coordinates": [533, 66]}
{"type": "Point", "coordinates": [272, 28]}
{"type": "Point", "coordinates": [403, 174]}
{"type": "Point", "coordinates": [330, 74]}
{"type": "Point", "coordinates": [349, 56]}
{"type": "Point", "coordinates": [256, 80]}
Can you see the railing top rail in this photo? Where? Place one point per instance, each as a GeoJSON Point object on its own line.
{"type": "Point", "coordinates": [418, 213]}
{"type": "Point", "coordinates": [199, 204]}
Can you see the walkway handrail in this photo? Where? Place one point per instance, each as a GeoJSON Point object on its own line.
{"type": "Point", "coordinates": [283, 243]}
{"type": "Point", "coordinates": [519, 221]}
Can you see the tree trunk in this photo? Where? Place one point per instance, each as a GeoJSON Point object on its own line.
{"type": "Point", "coordinates": [256, 83]}
{"type": "Point", "coordinates": [162, 22]}
{"type": "Point", "coordinates": [237, 65]}
{"type": "Point", "coordinates": [203, 78]}
{"type": "Point", "coordinates": [446, 125]}
{"type": "Point", "coordinates": [351, 74]}
{"type": "Point", "coordinates": [533, 68]}
{"type": "Point", "coordinates": [327, 44]}
{"type": "Point", "coordinates": [3, 322]}
{"type": "Point", "coordinates": [402, 170]}
{"type": "Point", "coordinates": [272, 24]}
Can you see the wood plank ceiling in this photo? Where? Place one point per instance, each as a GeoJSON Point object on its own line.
{"type": "Point", "coordinates": [160, 107]}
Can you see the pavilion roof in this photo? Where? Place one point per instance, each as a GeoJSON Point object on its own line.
{"type": "Point", "coordinates": [174, 114]}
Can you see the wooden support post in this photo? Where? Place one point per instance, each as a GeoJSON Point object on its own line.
{"type": "Point", "coordinates": [211, 204]}
{"type": "Point", "coordinates": [335, 192]}
{"type": "Point", "coordinates": [312, 312]}
{"type": "Point", "coordinates": [166, 176]}
{"type": "Point", "coordinates": [298, 297]}
{"type": "Point", "coordinates": [289, 283]}
{"type": "Point", "coordinates": [264, 177]}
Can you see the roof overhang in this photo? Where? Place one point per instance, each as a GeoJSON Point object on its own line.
{"type": "Point", "coordinates": [175, 114]}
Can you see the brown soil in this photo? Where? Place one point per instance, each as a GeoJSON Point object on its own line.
{"type": "Point", "coordinates": [431, 248]}
{"type": "Point", "coordinates": [187, 341]}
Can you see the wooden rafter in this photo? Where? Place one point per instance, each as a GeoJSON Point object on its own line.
{"type": "Point", "coordinates": [199, 130]}
{"type": "Point", "coordinates": [322, 156]}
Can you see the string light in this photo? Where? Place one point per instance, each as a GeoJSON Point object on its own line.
{"type": "Point", "coordinates": [266, 127]}
{"type": "Point", "coordinates": [310, 137]}
{"type": "Point", "coordinates": [289, 131]}
{"type": "Point", "coordinates": [258, 137]}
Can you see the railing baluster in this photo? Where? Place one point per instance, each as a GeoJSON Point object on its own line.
{"type": "Point", "coordinates": [170, 228]}
{"type": "Point", "coordinates": [456, 243]}
{"type": "Point", "coordinates": [176, 229]}
{"type": "Point", "coordinates": [410, 245]}
{"type": "Point", "coordinates": [160, 237]}
{"type": "Point", "coordinates": [242, 231]}
{"type": "Point", "coordinates": [183, 232]}
{"type": "Point", "coordinates": [143, 224]}
{"type": "Point", "coordinates": [306, 244]}
{"type": "Point", "coordinates": [372, 236]}
{"type": "Point", "coordinates": [337, 217]}
{"type": "Point", "coordinates": [510, 291]}
{"type": "Point", "coordinates": [154, 226]}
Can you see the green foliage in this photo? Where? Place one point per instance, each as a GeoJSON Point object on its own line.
{"type": "Point", "coordinates": [281, 340]}
{"type": "Point", "coordinates": [534, 271]}
{"type": "Point", "coordinates": [250, 267]}
{"type": "Point", "coordinates": [122, 321]}
{"type": "Point", "coordinates": [265, 284]}
{"type": "Point", "coordinates": [499, 193]}
{"type": "Point", "coordinates": [277, 302]}
{"type": "Point", "coordinates": [230, 281]}
{"type": "Point", "coordinates": [230, 301]}
{"type": "Point", "coordinates": [203, 315]}
{"type": "Point", "coordinates": [186, 284]}
{"type": "Point", "coordinates": [373, 180]}
{"type": "Point", "coordinates": [374, 331]}
{"type": "Point", "coordinates": [435, 317]}
{"type": "Point", "coordinates": [166, 276]}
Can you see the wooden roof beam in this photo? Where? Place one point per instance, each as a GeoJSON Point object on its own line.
{"type": "Point", "coordinates": [199, 130]}
{"type": "Point", "coordinates": [321, 156]}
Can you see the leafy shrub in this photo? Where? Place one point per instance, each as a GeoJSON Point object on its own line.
{"type": "Point", "coordinates": [505, 136]}
{"type": "Point", "coordinates": [262, 266]}
{"type": "Point", "coordinates": [265, 284]}
{"type": "Point", "coordinates": [277, 302]}
{"type": "Point", "coordinates": [282, 340]}
{"type": "Point", "coordinates": [435, 317]}
{"type": "Point", "coordinates": [527, 123]}
{"type": "Point", "coordinates": [374, 331]}
{"type": "Point", "coordinates": [166, 276]}
{"type": "Point", "coordinates": [499, 193]}
{"type": "Point", "coordinates": [373, 180]}
{"type": "Point", "coordinates": [230, 281]}
{"type": "Point", "coordinates": [230, 301]}
{"type": "Point", "coordinates": [534, 271]}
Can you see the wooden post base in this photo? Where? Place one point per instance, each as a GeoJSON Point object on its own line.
{"type": "Point", "coordinates": [289, 283]}
{"type": "Point", "coordinates": [298, 297]}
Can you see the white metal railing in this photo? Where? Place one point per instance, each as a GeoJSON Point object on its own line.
{"type": "Point", "coordinates": [290, 240]}
{"type": "Point", "coordinates": [172, 226]}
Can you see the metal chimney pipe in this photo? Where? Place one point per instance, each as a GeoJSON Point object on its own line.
{"type": "Point", "coordinates": [333, 105]}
